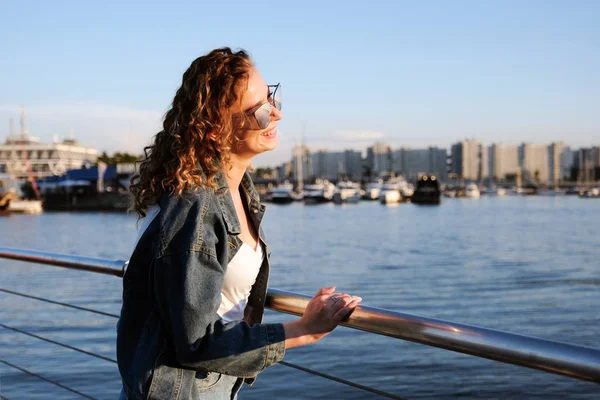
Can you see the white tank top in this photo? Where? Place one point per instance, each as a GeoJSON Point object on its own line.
{"type": "Point", "coordinates": [241, 274]}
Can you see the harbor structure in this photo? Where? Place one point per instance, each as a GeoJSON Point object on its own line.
{"type": "Point", "coordinates": [25, 156]}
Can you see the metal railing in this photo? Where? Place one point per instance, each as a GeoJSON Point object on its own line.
{"type": "Point", "coordinates": [549, 356]}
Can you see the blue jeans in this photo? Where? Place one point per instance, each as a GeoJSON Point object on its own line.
{"type": "Point", "coordinates": [213, 386]}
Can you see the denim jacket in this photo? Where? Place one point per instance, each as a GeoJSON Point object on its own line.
{"type": "Point", "coordinates": [169, 330]}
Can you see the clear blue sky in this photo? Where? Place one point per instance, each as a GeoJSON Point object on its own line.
{"type": "Point", "coordinates": [408, 73]}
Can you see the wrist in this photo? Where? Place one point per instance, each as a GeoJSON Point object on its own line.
{"type": "Point", "coordinates": [296, 334]}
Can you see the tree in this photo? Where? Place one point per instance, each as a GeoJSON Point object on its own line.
{"type": "Point", "coordinates": [27, 190]}
{"type": "Point", "coordinates": [118, 158]}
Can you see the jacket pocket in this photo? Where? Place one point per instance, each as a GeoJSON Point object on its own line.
{"type": "Point", "coordinates": [207, 380]}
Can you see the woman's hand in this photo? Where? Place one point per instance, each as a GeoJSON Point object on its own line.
{"type": "Point", "coordinates": [322, 314]}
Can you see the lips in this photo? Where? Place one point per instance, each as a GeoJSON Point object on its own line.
{"type": "Point", "coordinates": [270, 133]}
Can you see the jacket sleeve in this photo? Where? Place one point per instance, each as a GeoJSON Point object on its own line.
{"type": "Point", "coordinates": [187, 286]}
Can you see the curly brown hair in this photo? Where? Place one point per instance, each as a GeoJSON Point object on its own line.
{"type": "Point", "coordinates": [198, 131]}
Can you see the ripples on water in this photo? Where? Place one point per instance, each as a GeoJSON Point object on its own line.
{"type": "Point", "coordinates": [526, 265]}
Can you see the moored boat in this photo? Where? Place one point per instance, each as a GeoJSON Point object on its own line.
{"type": "Point", "coordinates": [283, 193]}
{"type": "Point", "coordinates": [472, 191]}
{"type": "Point", "coordinates": [319, 192]}
{"type": "Point", "coordinates": [373, 190]}
{"type": "Point", "coordinates": [347, 192]}
{"type": "Point", "coordinates": [427, 191]}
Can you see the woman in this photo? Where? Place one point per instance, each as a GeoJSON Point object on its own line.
{"type": "Point", "coordinates": [194, 291]}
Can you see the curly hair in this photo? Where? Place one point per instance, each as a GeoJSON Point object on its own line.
{"type": "Point", "coordinates": [198, 131]}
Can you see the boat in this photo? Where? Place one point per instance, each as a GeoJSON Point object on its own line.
{"type": "Point", "coordinates": [347, 192]}
{"type": "Point", "coordinates": [407, 191]}
{"type": "Point", "coordinates": [551, 192]}
{"type": "Point", "coordinates": [26, 206]}
{"type": "Point", "coordinates": [427, 191]}
{"type": "Point", "coordinates": [493, 191]}
{"type": "Point", "coordinates": [391, 191]}
{"type": "Point", "coordinates": [283, 193]}
{"type": "Point", "coordinates": [450, 193]}
{"type": "Point", "coordinates": [373, 190]}
{"type": "Point", "coordinates": [573, 191]}
{"type": "Point", "coordinates": [472, 191]}
{"type": "Point", "coordinates": [319, 192]}
{"type": "Point", "coordinates": [5, 200]}
{"type": "Point", "coordinates": [593, 193]}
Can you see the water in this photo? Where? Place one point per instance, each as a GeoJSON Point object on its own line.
{"type": "Point", "coordinates": [526, 265]}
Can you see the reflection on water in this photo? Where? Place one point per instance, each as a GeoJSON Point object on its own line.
{"type": "Point", "coordinates": [526, 265]}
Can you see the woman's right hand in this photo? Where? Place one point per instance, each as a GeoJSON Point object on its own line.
{"type": "Point", "coordinates": [322, 314]}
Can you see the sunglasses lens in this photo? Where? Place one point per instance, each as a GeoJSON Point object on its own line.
{"type": "Point", "coordinates": [263, 115]}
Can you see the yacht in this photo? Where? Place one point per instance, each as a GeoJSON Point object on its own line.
{"type": "Point", "coordinates": [472, 191]}
{"type": "Point", "coordinates": [493, 191]}
{"type": "Point", "coordinates": [427, 191]}
{"type": "Point", "coordinates": [391, 191]}
{"type": "Point", "coordinates": [590, 193]}
{"type": "Point", "coordinates": [373, 190]}
{"type": "Point", "coordinates": [319, 192]}
{"type": "Point", "coordinates": [347, 192]}
{"type": "Point", "coordinates": [283, 193]}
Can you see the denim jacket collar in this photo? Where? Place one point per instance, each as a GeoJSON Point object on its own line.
{"type": "Point", "coordinates": [228, 208]}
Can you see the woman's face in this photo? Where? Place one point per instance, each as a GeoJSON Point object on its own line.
{"type": "Point", "coordinates": [253, 139]}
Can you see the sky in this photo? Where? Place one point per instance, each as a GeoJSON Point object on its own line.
{"type": "Point", "coordinates": [410, 74]}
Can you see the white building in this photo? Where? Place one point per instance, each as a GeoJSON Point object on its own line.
{"type": "Point", "coordinates": [24, 156]}
{"type": "Point", "coordinates": [533, 160]}
{"type": "Point", "coordinates": [503, 161]}
{"type": "Point", "coordinates": [301, 164]}
{"type": "Point", "coordinates": [469, 159]}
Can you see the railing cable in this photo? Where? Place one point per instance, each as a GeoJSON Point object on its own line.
{"type": "Point", "coordinates": [58, 343]}
{"type": "Point", "coordinates": [48, 380]}
{"type": "Point", "coordinates": [284, 363]}
{"type": "Point", "coordinates": [287, 364]}
{"type": "Point", "coordinates": [343, 381]}
{"type": "Point", "coordinates": [59, 303]}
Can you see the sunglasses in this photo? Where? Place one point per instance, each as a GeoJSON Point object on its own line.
{"type": "Point", "coordinates": [262, 112]}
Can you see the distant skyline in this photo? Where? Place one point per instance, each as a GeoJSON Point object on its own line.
{"type": "Point", "coordinates": [408, 74]}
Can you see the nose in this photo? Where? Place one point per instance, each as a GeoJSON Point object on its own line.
{"type": "Point", "coordinates": [276, 114]}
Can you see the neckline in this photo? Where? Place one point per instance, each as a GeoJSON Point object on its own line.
{"type": "Point", "coordinates": [258, 250]}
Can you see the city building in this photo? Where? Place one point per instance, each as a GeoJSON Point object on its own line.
{"type": "Point", "coordinates": [412, 163]}
{"type": "Point", "coordinates": [379, 160]}
{"type": "Point", "coordinates": [587, 164]}
{"type": "Point", "coordinates": [24, 156]}
{"type": "Point", "coordinates": [560, 162]}
{"type": "Point", "coordinates": [533, 161]}
{"type": "Point", "coordinates": [336, 165]}
{"type": "Point", "coordinates": [301, 164]}
{"type": "Point", "coordinates": [503, 161]}
{"type": "Point", "coordinates": [469, 160]}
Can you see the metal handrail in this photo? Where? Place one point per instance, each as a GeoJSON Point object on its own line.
{"type": "Point", "coordinates": [549, 356]}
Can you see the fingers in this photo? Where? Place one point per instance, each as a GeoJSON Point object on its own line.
{"type": "Point", "coordinates": [324, 291]}
{"type": "Point", "coordinates": [344, 306]}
